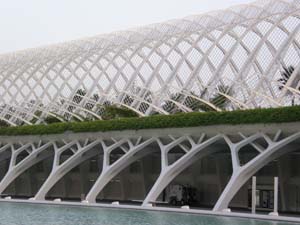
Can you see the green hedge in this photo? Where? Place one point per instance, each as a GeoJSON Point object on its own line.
{"type": "Point", "coordinates": [278, 115]}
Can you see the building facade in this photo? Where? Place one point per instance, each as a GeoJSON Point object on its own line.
{"type": "Point", "coordinates": [248, 55]}
{"type": "Point", "coordinates": [142, 167]}
{"type": "Point", "coordinates": [241, 58]}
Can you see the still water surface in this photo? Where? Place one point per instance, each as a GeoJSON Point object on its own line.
{"type": "Point", "coordinates": [31, 214]}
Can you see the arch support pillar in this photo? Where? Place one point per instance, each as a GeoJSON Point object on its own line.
{"type": "Point", "coordinates": [110, 171]}
{"type": "Point", "coordinates": [241, 174]}
{"type": "Point", "coordinates": [17, 169]}
{"type": "Point", "coordinates": [169, 172]}
{"type": "Point", "coordinates": [59, 170]}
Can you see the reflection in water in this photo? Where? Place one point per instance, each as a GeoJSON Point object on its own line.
{"type": "Point", "coordinates": [29, 214]}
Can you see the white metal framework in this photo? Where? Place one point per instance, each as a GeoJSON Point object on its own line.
{"type": "Point", "coordinates": [239, 54]}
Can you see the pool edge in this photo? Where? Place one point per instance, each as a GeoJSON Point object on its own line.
{"type": "Point", "coordinates": [161, 209]}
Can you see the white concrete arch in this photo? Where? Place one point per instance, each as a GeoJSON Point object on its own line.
{"type": "Point", "coordinates": [242, 174]}
{"type": "Point", "coordinates": [16, 169]}
{"type": "Point", "coordinates": [60, 169]}
{"type": "Point", "coordinates": [110, 171]}
{"type": "Point", "coordinates": [169, 172]}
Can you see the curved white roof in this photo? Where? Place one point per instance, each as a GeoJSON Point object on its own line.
{"type": "Point", "coordinates": [238, 54]}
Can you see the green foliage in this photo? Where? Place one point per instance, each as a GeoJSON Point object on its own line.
{"type": "Point", "coordinates": [195, 119]}
{"type": "Point", "coordinates": [170, 106]}
{"type": "Point", "coordinates": [4, 123]}
{"type": "Point", "coordinates": [37, 113]}
{"type": "Point", "coordinates": [114, 112]}
{"type": "Point", "coordinates": [218, 99]}
{"type": "Point", "coordinates": [285, 76]}
{"type": "Point", "coordinates": [51, 119]}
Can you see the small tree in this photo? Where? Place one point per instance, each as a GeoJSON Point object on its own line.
{"type": "Point", "coordinates": [114, 112]}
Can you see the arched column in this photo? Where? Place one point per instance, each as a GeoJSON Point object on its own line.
{"type": "Point", "coordinates": [169, 172]}
{"type": "Point", "coordinates": [110, 171]}
{"type": "Point", "coordinates": [59, 170]}
{"type": "Point", "coordinates": [16, 169]}
{"type": "Point", "coordinates": [241, 174]}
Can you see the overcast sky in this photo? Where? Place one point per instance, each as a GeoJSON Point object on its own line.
{"type": "Point", "coordinates": [31, 23]}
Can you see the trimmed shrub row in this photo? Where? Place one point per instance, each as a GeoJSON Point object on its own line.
{"type": "Point", "coordinates": [195, 119]}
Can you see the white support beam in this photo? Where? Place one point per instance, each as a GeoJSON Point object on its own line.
{"type": "Point", "coordinates": [16, 169]}
{"type": "Point", "coordinates": [169, 172]}
{"type": "Point", "coordinates": [110, 171]}
{"type": "Point", "coordinates": [243, 174]}
{"type": "Point", "coordinates": [275, 211]}
{"type": "Point", "coordinates": [253, 202]}
{"type": "Point", "coordinates": [59, 170]}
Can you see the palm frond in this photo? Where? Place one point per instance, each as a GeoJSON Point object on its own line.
{"type": "Point", "coordinates": [219, 99]}
{"type": "Point", "coordinates": [285, 76]}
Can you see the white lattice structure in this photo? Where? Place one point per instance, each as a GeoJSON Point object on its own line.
{"type": "Point", "coordinates": [244, 49]}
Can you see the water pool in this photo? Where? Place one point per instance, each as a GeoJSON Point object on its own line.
{"type": "Point", "coordinates": [32, 214]}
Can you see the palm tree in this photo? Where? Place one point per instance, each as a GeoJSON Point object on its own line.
{"type": "Point", "coordinates": [77, 98]}
{"type": "Point", "coordinates": [285, 77]}
{"type": "Point", "coordinates": [170, 107]}
{"type": "Point", "coordinates": [218, 99]}
{"type": "Point", "coordinates": [193, 103]}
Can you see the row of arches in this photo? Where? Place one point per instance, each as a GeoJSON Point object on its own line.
{"type": "Point", "coordinates": [141, 170]}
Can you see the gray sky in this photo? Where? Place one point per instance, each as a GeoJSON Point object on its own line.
{"type": "Point", "coordinates": [31, 23]}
